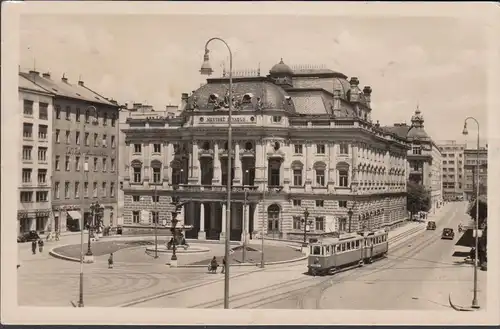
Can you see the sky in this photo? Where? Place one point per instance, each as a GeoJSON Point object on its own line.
{"type": "Point", "coordinates": [439, 64]}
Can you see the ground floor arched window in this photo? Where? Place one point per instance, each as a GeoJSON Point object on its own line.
{"type": "Point", "coordinates": [273, 215]}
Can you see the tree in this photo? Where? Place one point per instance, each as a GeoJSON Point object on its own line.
{"type": "Point", "coordinates": [482, 223]}
{"type": "Point", "coordinates": [418, 198]}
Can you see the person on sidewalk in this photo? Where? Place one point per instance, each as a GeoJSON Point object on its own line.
{"type": "Point", "coordinates": [40, 245]}
{"type": "Point", "coordinates": [223, 264]}
{"type": "Point", "coordinates": [33, 246]}
{"type": "Point", "coordinates": [57, 235]}
{"type": "Point", "coordinates": [110, 261]}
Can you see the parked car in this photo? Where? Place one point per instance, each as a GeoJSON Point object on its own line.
{"type": "Point", "coordinates": [28, 236]}
{"type": "Point", "coordinates": [448, 233]}
{"type": "Point", "coordinates": [431, 225]}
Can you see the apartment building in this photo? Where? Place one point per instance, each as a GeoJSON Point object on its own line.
{"type": "Point", "coordinates": [453, 169]}
{"type": "Point", "coordinates": [470, 168]}
{"type": "Point", "coordinates": [34, 198]}
{"type": "Point", "coordinates": [84, 151]}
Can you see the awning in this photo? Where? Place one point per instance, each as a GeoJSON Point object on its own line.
{"type": "Point", "coordinates": [74, 214]}
{"type": "Point", "coordinates": [467, 239]}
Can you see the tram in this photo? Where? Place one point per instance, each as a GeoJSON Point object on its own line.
{"type": "Point", "coordinates": [350, 250]}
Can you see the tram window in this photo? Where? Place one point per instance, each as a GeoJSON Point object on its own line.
{"type": "Point", "coordinates": [338, 248]}
{"type": "Point", "coordinates": [327, 250]}
{"type": "Point", "coordinates": [357, 244]}
{"type": "Point", "coordinates": [343, 246]}
{"type": "Point", "coordinates": [317, 250]}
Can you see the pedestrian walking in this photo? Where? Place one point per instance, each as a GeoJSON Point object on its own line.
{"type": "Point", "coordinates": [40, 245]}
{"type": "Point", "coordinates": [33, 246]}
{"type": "Point", "coordinates": [110, 261]}
{"type": "Point", "coordinates": [57, 235]}
{"type": "Point", "coordinates": [223, 264]}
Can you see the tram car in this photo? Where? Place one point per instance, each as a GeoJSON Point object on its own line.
{"type": "Point", "coordinates": [347, 251]}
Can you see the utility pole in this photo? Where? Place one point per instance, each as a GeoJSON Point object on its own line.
{"type": "Point", "coordinates": [244, 225]}
{"type": "Point", "coordinates": [155, 218]}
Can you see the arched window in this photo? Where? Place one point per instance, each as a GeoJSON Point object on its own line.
{"type": "Point", "coordinates": [137, 167]}
{"type": "Point", "coordinates": [297, 168]}
{"type": "Point", "coordinates": [274, 174]}
{"type": "Point", "coordinates": [320, 169]}
{"type": "Point", "coordinates": [105, 119]}
{"type": "Point", "coordinates": [248, 146]}
{"type": "Point", "coordinates": [273, 215]}
{"type": "Point", "coordinates": [206, 146]}
{"type": "Point", "coordinates": [156, 167]}
{"type": "Point", "coordinates": [343, 169]}
{"type": "Point", "coordinates": [226, 146]}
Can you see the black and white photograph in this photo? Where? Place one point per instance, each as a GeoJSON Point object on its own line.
{"type": "Point", "coordinates": [261, 158]}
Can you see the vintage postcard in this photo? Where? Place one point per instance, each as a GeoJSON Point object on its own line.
{"type": "Point", "coordinates": [247, 160]}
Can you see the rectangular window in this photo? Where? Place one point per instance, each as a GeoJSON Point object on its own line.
{"type": "Point", "coordinates": [104, 164]}
{"type": "Point", "coordinates": [113, 120]}
{"type": "Point", "coordinates": [343, 178]}
{"type": "Point", "coordinates": [77, 163]}
{"type": "Point", "coordinates": [77, 137]}
{"type": "Point", "coordinates": [320, 177]}
{"type": "Point", "coordinates": [43, 111]}
{"type": "Point", "coordinates": [417, 150]}
{"type": "Point", "coordinates": [320, 149]}
{"type": "Point", "coordinates": [155, 217]}
{"type": "Point", "coordinates": [156, 175]}
{"type": "Point", "coordinates": [77, 190]}
{"type": "Point", "coordinates": [112, 164]}
{"type": "Point", "coordinates": [27, 130]}
{"type": "Point", "coordinates": [28, 107]}
{"type": "Point", "coordinates": [42, 154]}
{"type": "Point", "coordinates": [297, 202]}
{"type": "Point", "coordinates": [104, 140]}
{"type": "Point", "coordinates": [66, 190]}
{"type": "Point", "coordinates": [343, 204]}
{"type": "Point", "coordinates": [42, 132]}
{"type": "Point", "coordinates": [68, 137]}
{"type": "Point", "coordinates": [78, 113]}
{"type": "Point", "coordinates": [42, 196]}
{"type": "Point", "coordinates": [57, 138]}
{"type": "Point", "coordinates": [26, 175]}
{"type": "Point", "coordinates": [26, 196]}
{"type": "Point", "coordinates": [42, 176]}
{"type": "Point", "coordinates": [57, 190]}
{"type": "Point", "coordinates": [58, 112]}
{"type": "Point", "coordinates": [344, 149]}
{"type": "Point", "coordinates": [104, 189]}
{"type": "Point", "coordinates": [112, 190]}
{"type": "Point", "coordinates": [296, 222]}
{"type": "Point", "coordinates": [136, 217]}
{"type": "Point", "coordinates": [320, 224]}
{"type": "Point", "coordinates": [96, 140]}
{"type": "Point", "coordinates": [155, 198]}
{"type": "Point", "coordinates": [297, 177]}
{"type": "Point", "coordinates": [67, 163]}
{"type": "Point", "coordinates": [57, 164]}
{"type": "Point", "coordinates": [86, 189]}
{"type": "Point", "coordinates": [112, 141]}
{"type": "Point", "coordinates": [137, 148]}
{"type": "Point", "coordinates": [94, 190]}
{"type": "Point", "coordinates": [320, 203]}
{"type": "Point", "coordinates": [86, 139]}
{"type": "Point", "coordinates": [137, 175]}
{"type": "Point", "coordinates": [297, 148]}
{"type": "Point", "coordinates": [68, 112]}
{"type": "Point", "coordinates": [156, 148]}
{"type": "Point", "coordinates": [95, 163]}
{"type": "Point", "coordinates": [105, 119]}
{"type": "Point", "coordinates": [27, 152]}
{"type": "Point", "coordinates": [136, 198]}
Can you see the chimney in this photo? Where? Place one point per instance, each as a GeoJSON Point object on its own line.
{"type": "Point", "coordinates": [184, 100]}
{"type": "Point", "coordinates": [46, 75]}
{"type": "Point", "coordinates": [80, 83]}
{"type": "Point", "coordinates": [354, 91]}
{"type": "Point", "coordinates": [64, 79]}
{"type": "Point", "coordinates": [367, 91]}
{"type": "Point", "coordinates": [34, 73]}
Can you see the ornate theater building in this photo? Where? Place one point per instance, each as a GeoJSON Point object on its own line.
{"type": "Point", "coordinates": [303, 140]}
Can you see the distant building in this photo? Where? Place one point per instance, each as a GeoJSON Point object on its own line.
{"type": "Point", "coordinates": [453, 169]}
{"type": "Point", "coordinates": [470, 181]}
{"type": "Point", "coordinates": [424, 158]}
{"type": "Point", "coordinates": [81, 135]}
{"type": "Point", "coordinates": [303, 139]}
{"type": "Point", "coordinates": [34, 197]}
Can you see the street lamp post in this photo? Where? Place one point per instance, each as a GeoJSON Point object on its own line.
{"type": "Point", "coordinates": [156, 222]}
{"type": "Point", "coordinates": [306, 222]}
{"type": "Point", "coordinates": [206, 69]}
{"type": "Point", "coordinates": [475, 303]}
{"type": "Point", "coordinates": [245, 218]}
{"type": "Point", "coordinates": [349, 213]}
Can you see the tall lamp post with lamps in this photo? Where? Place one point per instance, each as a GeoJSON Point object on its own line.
{"type": "Point", "coordinates": [206, 69]}
{"type": "Point", "coordinates": [307, 222]}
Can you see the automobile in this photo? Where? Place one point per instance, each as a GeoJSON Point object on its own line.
{"type": "Point", "coordinates": [431, 225]}
{"type": "Point", "coordinates": [448, 233]}
{"type": "Point", "coordinates": [28, 236]}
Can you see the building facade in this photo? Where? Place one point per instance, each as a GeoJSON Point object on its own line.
{"type": "Point", "coordinates": [470, 167]}
{"type": "Point", "coordinates": [302, 140]}
{"type": "Point", "coordinates": [453, 169]}
{"type": "Point", "coordinates": [424, 164]}
{"type": "Point", "coordinates": [85, 151]}
{"type": "Point", "coordinates": [34, 197]}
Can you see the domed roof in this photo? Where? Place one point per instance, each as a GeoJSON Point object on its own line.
{"type": "Point", "coordinates": [280, 69]}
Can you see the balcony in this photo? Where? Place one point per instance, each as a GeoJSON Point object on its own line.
{"type": "Point", "coordinates": [206, 153]}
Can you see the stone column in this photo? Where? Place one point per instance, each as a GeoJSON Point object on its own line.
{"type": "Point", "coordinates": [126, 174]}
{"type": "Point", "coordinates": [308, 165]}
{"type": "Point", "coordinates": [216, 180]}
{"type": "Point", "coordinates": [167, 158]}
{"type": "Point", "coordinates": [201, 234]}
{"type": "Point", "coordinates": [194, 165]}
{"type": "Point", "coordinates": [237, 164]}
{"type": "Point", "coordinates": [256, 220]}
{"type": "Point", "coordinates": [259, 164]}
{"type": "Point", "coordinates": [222, 236]}
{"type": "Point", "coordinates": [332, 159]}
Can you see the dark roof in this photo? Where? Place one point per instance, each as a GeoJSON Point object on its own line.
{"type": "Point", "coordinates": [66, 89]}
{"type": "Point", "coordinates": [400, 130]}
{"type": "Point", "coordinates": [24, 83]}
{"type": "Point", "coordinates": [281, 68]}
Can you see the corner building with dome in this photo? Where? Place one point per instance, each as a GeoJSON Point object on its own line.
{"type": "Point", "coordinates": [302, 139]}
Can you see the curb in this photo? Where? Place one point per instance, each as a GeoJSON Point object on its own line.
{"type": "Point", "coordinates": [248, 264]}
{"type": "Point", "coordinates": [59, 256]}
